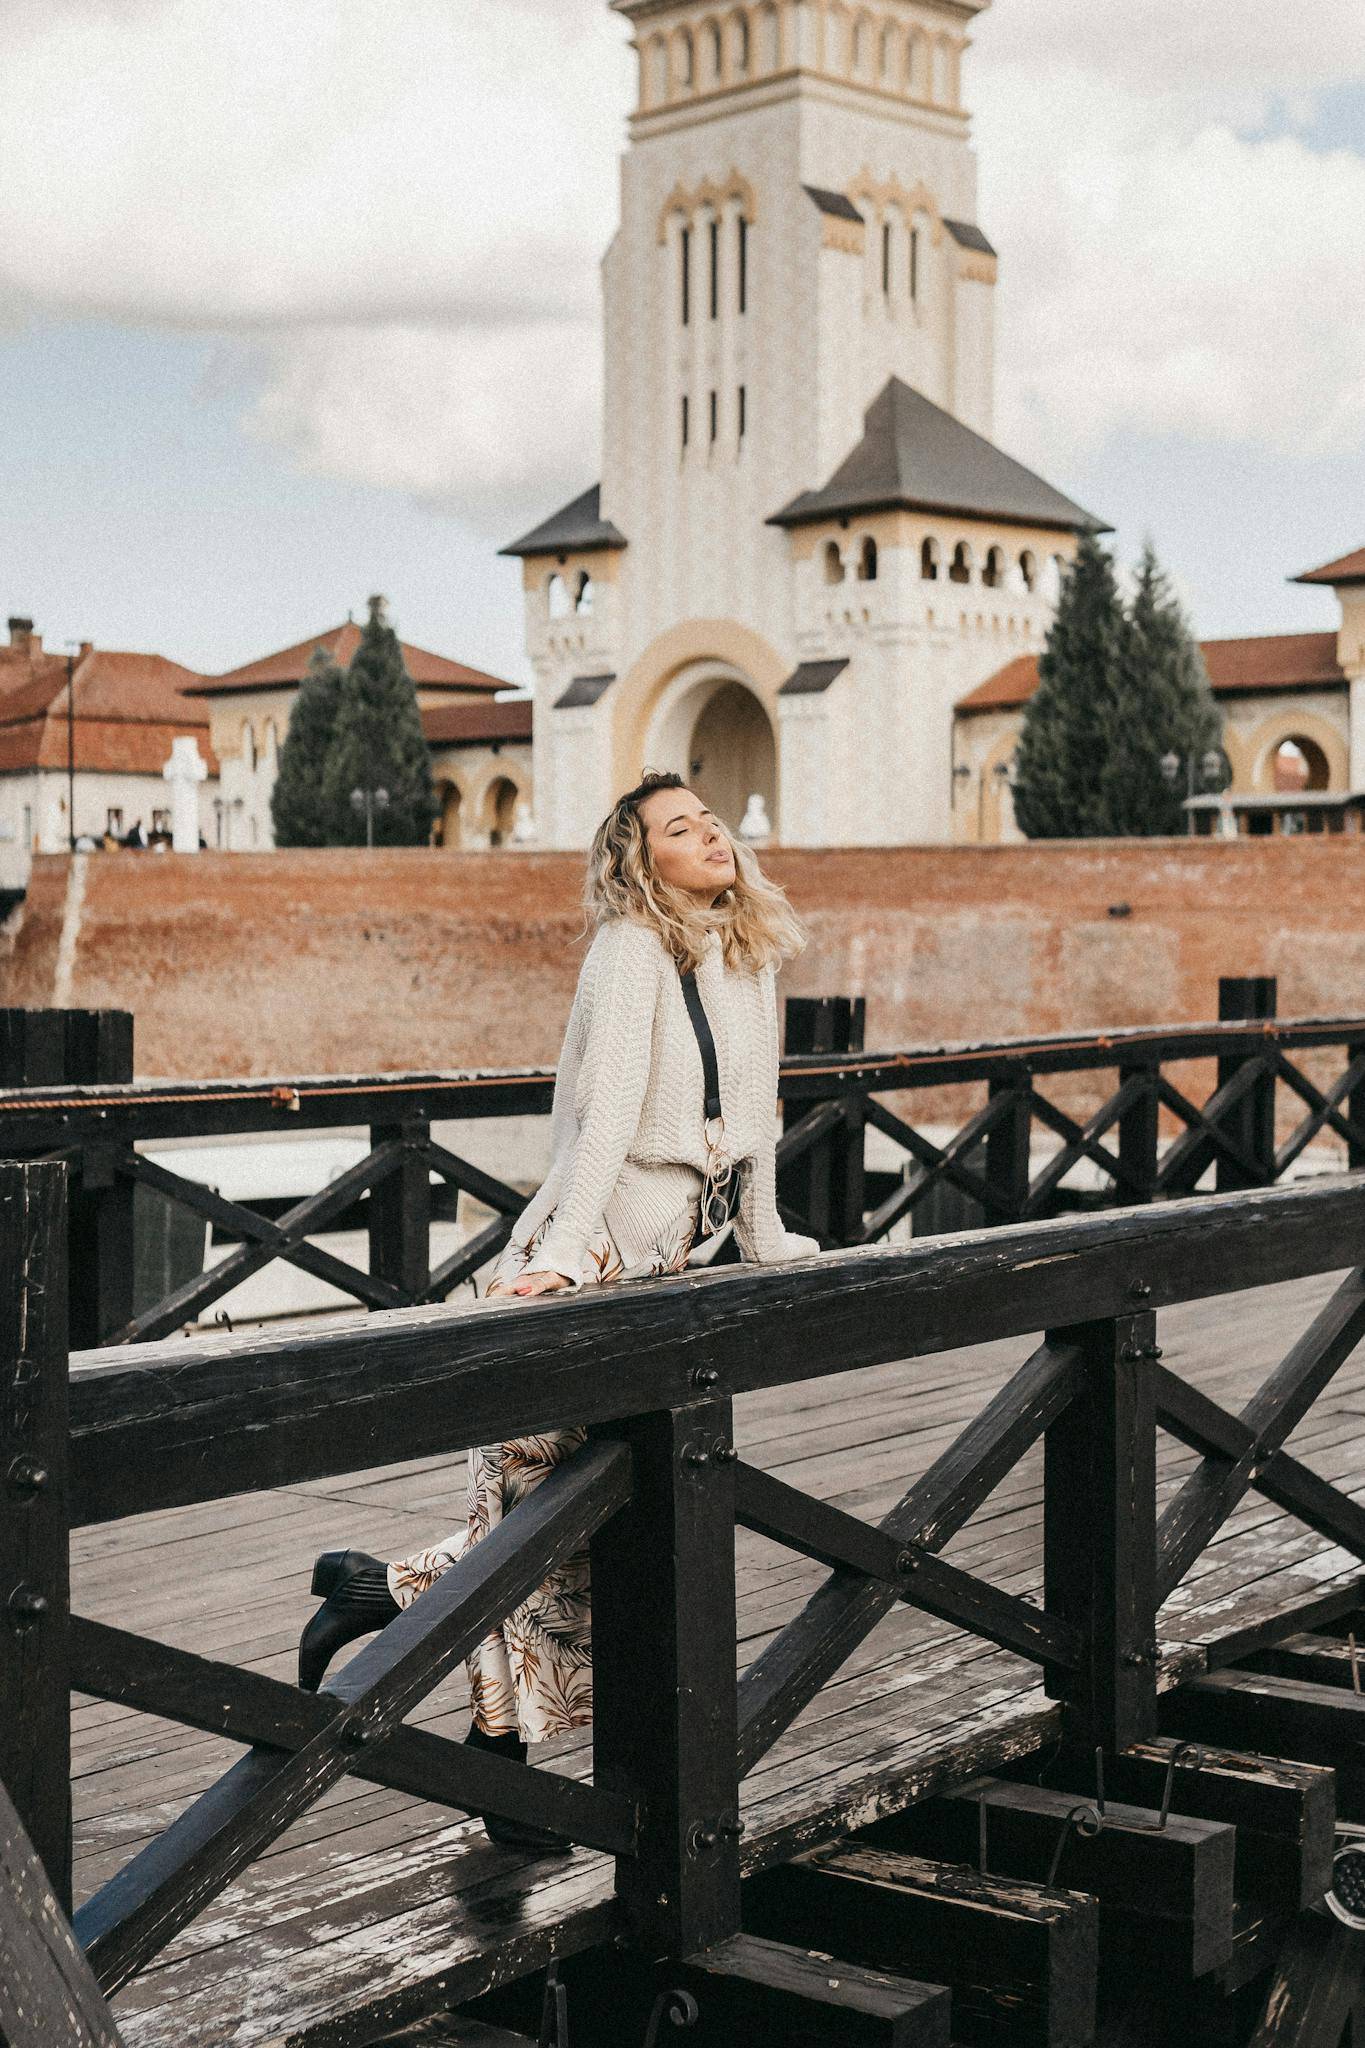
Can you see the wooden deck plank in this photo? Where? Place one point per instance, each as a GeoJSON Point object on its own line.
{"type": "Point", "coordinates": [375, 1900]}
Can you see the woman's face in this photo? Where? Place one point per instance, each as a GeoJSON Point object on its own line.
{"type": "Point", "coordinates": [687, 843]}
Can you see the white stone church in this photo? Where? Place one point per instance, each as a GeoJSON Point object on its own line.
{"type": "Point", "coordinates": [805, 547]}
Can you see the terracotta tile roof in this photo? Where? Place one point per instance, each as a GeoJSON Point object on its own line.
{"type": "Point", "coordinates": [276, 671]}
{"type": "Point", "coordinates": [129, 707]}
{"type": "Point", "coordinates": [1346, 569]}
{"type": "Point", "coordinates": [467, 725]}
{"type": "Point", "coordinates": [1267, 661]}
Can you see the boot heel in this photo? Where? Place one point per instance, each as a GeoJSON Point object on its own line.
{"type": "Point", "coordinates": [328, 1570]}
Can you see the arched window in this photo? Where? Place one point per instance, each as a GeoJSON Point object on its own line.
{"type": "Point", "coordinates": [558, 596]}
{"type": "Point", "coordinates": [769, 39]}
{"type": "Point", "coordinates": [867, 560]}
{"type": "Point", "coordinates": [860, 47]}
{"type": "Point", "coordinates": [687, 61]}
{"type": "Point", "coordinates": [739, 44]}
{"type": "Point", "coordinates": [961, 569]}
{"type": "Point", "coordinates": [658, 71]}
{"type": "Point", "coordinates": [834, 562]}
{"type": "Point", "coordinates": [993, 575]}
{"type": "Point", "coordinates": [1028, 569]}
{"type": "Point", "coordinates": [886, 66]}
{"type": "Point", "coordinates": [248, 746]}
{"type": "Point", "coordinates": [928, 559]}
{"type": "Point", "coordinates": [713, 54]}
{"type": "Point", "coordinates": [272, 740]}
{"type": "Point", "coordinates": [584, 594]}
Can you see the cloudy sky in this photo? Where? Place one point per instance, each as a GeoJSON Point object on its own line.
{"type": "Point", "coordinates": [299, 299]}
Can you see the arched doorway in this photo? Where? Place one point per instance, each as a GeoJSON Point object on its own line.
{"type": "Point", "coordinates": [500, 810]}
{"type": "Point", "coordinates": [731, 754]}
{"type": "Point", "coordinates": [451, 802]}
{"type": "Point", "coordinates": [1300, 763]}
{"type": "Point", "coordinates": [711, 726]}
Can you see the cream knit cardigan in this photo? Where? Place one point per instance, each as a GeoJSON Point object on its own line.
{"type": "Point", "coordinates": [626, 1130]}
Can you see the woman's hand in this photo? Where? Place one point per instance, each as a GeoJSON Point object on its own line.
{"type": "Point", "coordinates": [543, 1282]}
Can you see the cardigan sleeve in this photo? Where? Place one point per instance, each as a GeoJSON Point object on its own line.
{"type": "Point", "coordinates": [619, 991]}
{"type": "Point", "coordinates": [763, 1238]}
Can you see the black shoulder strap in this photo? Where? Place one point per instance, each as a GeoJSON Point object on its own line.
{"type": "Point", "coordinates": [706, 1044]}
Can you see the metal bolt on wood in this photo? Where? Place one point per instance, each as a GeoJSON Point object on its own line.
{"type": "Point", "coordinates": [26, 1476]}
{"type": "Point", "coordinates": [25, 1607]}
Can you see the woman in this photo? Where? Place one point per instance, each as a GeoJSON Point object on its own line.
{"type": "Point", "coordinates": [640, 1180]}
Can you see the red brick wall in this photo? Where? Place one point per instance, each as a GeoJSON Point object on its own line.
{"type": "Point", "coordinates": [340, 962]}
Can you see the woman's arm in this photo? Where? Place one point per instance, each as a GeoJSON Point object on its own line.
{"type": "Point", "coordinates": [763, 1238]}
{"type": "Point", "coordinates": [619, 990]}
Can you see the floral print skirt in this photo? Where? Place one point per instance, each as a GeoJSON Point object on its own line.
{"type": "Point", "coordinates": [532, 1676]}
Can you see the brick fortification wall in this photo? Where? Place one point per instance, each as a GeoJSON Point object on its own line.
{"type": "Point", "coordinates": [337, 962]}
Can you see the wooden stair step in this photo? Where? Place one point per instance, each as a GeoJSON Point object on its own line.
{"type": "Point", "coordinates": [1019, 1958]}
{"type": "Point", "coordinates": [1166, 1896]}
{"type": "Point", "coordinates": [769, 1995]}
{"type": "Point", "coordinates": [1286, 1717]}
{"type": "Point", "coordinates": [1284, 1813]}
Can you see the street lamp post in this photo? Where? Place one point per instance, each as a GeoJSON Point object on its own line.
{"type": "Point", "coordinates": [1210, 768]}
{"type": "Point", "coordinates": [369, 801]}
{"type": "Point", "coordinates": [71, 651]}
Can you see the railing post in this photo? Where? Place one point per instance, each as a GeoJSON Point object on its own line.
{"type": "Point", "coordinates": [55, 1048]}
{"type": "Point", "coordinates": [664, 1714]}
{"type": "Point", "coordinates": [1251, 1121]}
{"type": "Point", "coordinates": [399, 1211]}
{"type": "Point", "coordinates": [35, 1700]}
{"type": "Point", "coordinates": [1355, 1108]}
{"type": "Point", "coordinates": [1139, 1134]}
{"type": "Point", "coordinates": [826, 1185]}
{"type": "Point", "coordinates": [1099, 1534]}
{"type": "Point", "coordinates": [1007, 1149]}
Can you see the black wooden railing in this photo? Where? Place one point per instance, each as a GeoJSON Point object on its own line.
{"type": "Point", "coordinates": [1151, 1133]}
{"type": "Point", "coordinates": [653, 1369]}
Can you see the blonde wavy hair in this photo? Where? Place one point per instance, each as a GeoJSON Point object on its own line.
{"type": "Point", "coordinates": [757, 924]}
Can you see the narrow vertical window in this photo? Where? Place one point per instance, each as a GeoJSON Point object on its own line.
{"type": "Point", "coordinates": [743, 264]}
{"type": "Point", "coordinates": [743, 410]}
{"type": "Point", "coordinates": [715, 268]}
{"type": "Point", "coordinates": [686, 411]}
{"type": "Point", "coordinates": [715, 415]}
{"type": "Point", "coordinates": [914, 263]}
{"type": "Point", "coordinates": [886, 257]}
{"type": "Point", "coordinates": [686, 276]}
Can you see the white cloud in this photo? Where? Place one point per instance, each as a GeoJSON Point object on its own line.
{"type": "Point", "coordinates": [1174, 262]}
{"type": "Point", "coordinates": [394, 216]}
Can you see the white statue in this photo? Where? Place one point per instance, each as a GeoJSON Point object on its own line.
{"type": "Point", "coordinates": [755, 826]}
{"type": "Point", "coordinates": [185, 770]}
{"type": "Point", "coordinates": [523, 824]}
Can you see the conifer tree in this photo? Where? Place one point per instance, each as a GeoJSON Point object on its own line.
{"type": "Point", "coordinates": [1058, 764]}
{"type": "Point", "coordinates": [379, 744]}
{"type": "Point", "coordinates": [297, 806]}
{"type": "Point", "coordinates": [1118, 690]}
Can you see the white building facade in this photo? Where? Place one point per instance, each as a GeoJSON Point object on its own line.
{"type": "Point", "coordinates": [804, 547]}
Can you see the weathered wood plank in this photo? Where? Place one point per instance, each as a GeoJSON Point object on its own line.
{"type": "Point", "coordinates": [777, 1997]}
{"type": "Point", "coordinates": [242, 1412]}
{"type": "Point", "coordinates": [35, 1751]}
{"type": "Point", "coordinates": [48, 1994]}
{"type": "Point", "coordinates": [1020, 1959]}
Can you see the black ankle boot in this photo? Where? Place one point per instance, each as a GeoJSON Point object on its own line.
{"type": "Point", "coordinates": [357, 1602]}
{"type": "Point", "coordinates": [514, 1834]}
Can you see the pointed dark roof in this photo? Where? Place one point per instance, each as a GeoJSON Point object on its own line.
{"type": "Point", "coordinates": [836, 204]}
{"type": "Point", "coordinates": [1346, 569]}
{"type": "Point", "coordinates": [916, 455]}
{"type": "Point", "coordinates": [968, 235]}
{"type": "Point", "coordinates": [575, 527]}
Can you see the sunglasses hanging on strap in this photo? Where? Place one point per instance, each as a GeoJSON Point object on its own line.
{"type": "Point", "coordinates": [721, 1187]}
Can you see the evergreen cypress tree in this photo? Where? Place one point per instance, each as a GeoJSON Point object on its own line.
{"type": "Point", "coordinates": [379, 744]}
{"type": "Point", "coordinates": [1165, 707]}
{"type": "Point", "coordinates": [1118, 690]}
{"type": "Point", "coordinates": [1060, 757]}
{"type": "Point", "coordinates": [297, 806]}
